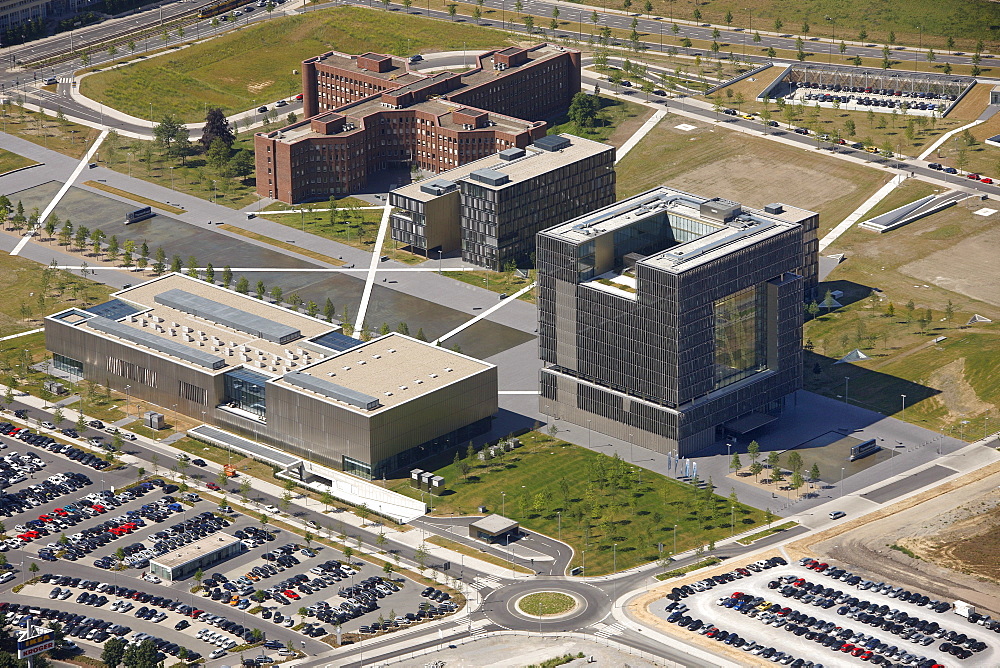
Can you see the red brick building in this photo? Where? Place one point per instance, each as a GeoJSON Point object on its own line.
{"type": "Point", "coordinates": [368, 113]}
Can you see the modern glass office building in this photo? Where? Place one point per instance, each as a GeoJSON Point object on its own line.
{"type": "Point", "coordinates": [667, 318]}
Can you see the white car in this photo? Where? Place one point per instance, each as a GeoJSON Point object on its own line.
{"type": "Point", "coordinates": [272, 509]}
{"type": "Point", "coordinates": [48, 425]}
{"type": "Point", "coordinates": [7, 577]}
{"type": "Point", "coordinates": [217, 653]}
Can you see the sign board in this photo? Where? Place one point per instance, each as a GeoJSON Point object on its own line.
{"type": "Point", "coordinates": [139, 214]}
{"type": "Point", "coordinates": [35, 644]}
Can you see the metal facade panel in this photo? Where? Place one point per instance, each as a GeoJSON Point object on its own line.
{"type": "Point", "coordinates": [332, 390]}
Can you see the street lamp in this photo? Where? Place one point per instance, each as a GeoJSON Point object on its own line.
{"type": "Point", "coordinates": [842, 482]}
{"type": "Point", "coordinates": [904, 406]}
{"type": "Point", "coordinates": [503, 504]}
{"type": "Point", "coordinates": [614, 582]}
{"type": "Point", "coordinates": [127, 388]}
{"type": "Point", "coordinates": [847, 380]}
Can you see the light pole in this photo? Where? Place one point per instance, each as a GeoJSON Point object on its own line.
{"type": "Point", "coordinates": [842, 482]}
{"type": "Point", "coordinates": [729, 456]}
{"type": "Point", "coordinates": [590, 434]}
{"type": "Point", "coordinates": [964, 422]}
{"type": "Point", "coordinates": [732, 520]}
{"type": "Point", "coordinates": [559, 518]}
{"type": "Point", "coordinates": [904, 406]}
{"type": "Point", "coordinates": [847, 380]}
{"type": "Point", "coordinates": [127, 388]}
{"type": "Point", "coordinates": [675, 539]}
{"type": "Point", "coordinates": [614, 582]}
{"type": "Point", "coordinates": [503, 504]}
{"type": "Point", "coordinates": [215, 189]}
{"type": "Point", "coordinates": [439, 261]}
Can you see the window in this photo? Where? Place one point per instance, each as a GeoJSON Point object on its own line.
{"type": "Point", "coordinates": [68, 365]}
{"type": "Point", "coordinates": [357, 468]}
{"type": "Point", "coordinates": [130, 371]}
{"type": "Point", "coordinates": [740, 337]}
{"type": "Point", "coordinates": [198, 395]}
{"type": "Point", "coordinates": [245, 390]}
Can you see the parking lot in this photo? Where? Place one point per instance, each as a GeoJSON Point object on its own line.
{"type": "Point", "coordinates": [798, 616]}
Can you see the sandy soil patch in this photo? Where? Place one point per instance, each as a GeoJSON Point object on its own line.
{"type": "Point", "coordinates": [963, 267]}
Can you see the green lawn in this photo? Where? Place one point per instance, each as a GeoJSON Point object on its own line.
{"type": "Point", "coordinates": [613, 113]}
{"type": "Point", "coordinates": [600, 502]}
{"type": "Point", "coordinates": [928, 22]}
{"type": "Point", "coordinates": [63, 136]}
{"type": "Point", "coordinates": [10, 161]}
{"type": "Point", "coordinates": [245, 68]}
{"type": "Point", "coordinates": [349, 224]}
{"type": "Point", "coordinates": [505, 282]}
{"type": "Point", "coordinates": [546, 603]}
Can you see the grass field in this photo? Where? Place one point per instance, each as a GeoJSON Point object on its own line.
{"type": "Point", "coordinates": [546, 603]}
{"type": "Point", "coordinates": [245, 68]}
{"type": "Point", "coordinates": [31, 292]}
{"type": "Point", "coordinates": [616, 122]}
{"type": "Point", "coordinates": [506, 282]}
{"type": "Point", "coordinates": [600, 501]}
{"type": "Point", "coordinates": [745, 168]}
{"type": "Point", "coordinates": [10, 161]}
{"type": "Point", "coordinates": [979, 157]}
{"type": "Point", "coordinates": [63, 136]}
{"type": "Point", "coordinates": [928, 22]}
{"type": "Point", "coordinates": [929, 263]}
{"type": "Point", "coordinates": [350, 225]}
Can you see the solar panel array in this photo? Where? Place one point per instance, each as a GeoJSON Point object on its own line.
{"type": "Point", "coordinates": [255, 325]}
{"type": "Point", "coordinates": [332, 390]}
{"type": "Point", "coordinates": [157, 343]}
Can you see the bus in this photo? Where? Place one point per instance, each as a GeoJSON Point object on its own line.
{"type": "Point", "coordinates": [221, 7]}
{"type": "Point", "coordinates": [860, 450]}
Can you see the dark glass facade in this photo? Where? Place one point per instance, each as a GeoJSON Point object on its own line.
{"type": "Point", "coordinates": [246, 390]}
{"type": "Point", "coordinates": [660, 343]}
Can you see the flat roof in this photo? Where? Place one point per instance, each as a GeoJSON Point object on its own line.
{"type": "Point", "coordinates": [239, 329]}
{"type": "Point", "coordinates": [534, 163]}
{"type": "Point", "coordinates": [398, 74]}
{"type": "Point", "coordinates": [198, 548]}
{"type": "Point", "coordinates": [494, 524]}
{"type": "Point", "coordinates": [392, 369]}
{"type": "Point", "coordinates": [747, 228]}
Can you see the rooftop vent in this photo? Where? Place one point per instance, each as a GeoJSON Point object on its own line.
{"type": "Point", "coordinates": [774, 209]}
{"type": "Point", "coordinates": [378, 357]}
{"type": "Point", "coordinates": [437, 187]}
{"type": "Point", "coordinates": [490, 177]}
{"type": "Point", "coordinates": [433, 375]}
{"type": "Point", "coordinates": [392, 350]}
{"type": "Point", "coordinates": [511, 154]}
{"type": "Point", "coordinates": [552, 143]}
{"type": "Point", "coordinates": [448, 369]}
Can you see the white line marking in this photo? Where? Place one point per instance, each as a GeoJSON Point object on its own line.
{"type": "Point", "coordinates": [943, 138]}
{"type": "Point", "coordinates": [640, 133]}
{"type": "Point", "coordinates": [372, 270]}
{"type": "Point", "coordinates": [484, 314]}
{"type": "Point", "coordinates": [860, 211]}
{"type": "Point", "coordinates": [518, 392]}
{"type": "Point", "coordinates": [62, 191]}
{"type": "Point", "coordinates": [276, 269]}
{"type": "Point", "coordinates": [30, 331]}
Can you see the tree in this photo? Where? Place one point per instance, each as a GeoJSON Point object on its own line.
{"type": "Point", "coordinates": [452, 10]}
{"type": "Point", "coordinates": [777, 24]}
{"type": "Point", "coordinates": [227, 276]}
{"type": "Point", "coordinates": [754, 451]}
{"type": "Point", "coordinates": [583, 109]}
{"type": "Point", "coordinates": [113, 652]}
{"type": "Point", "coordinates": [814, 472]}
{"type": "Point", "coordinates": [216, 127]}
{"type": "Point", "coordinates": [261, 289]}
{"type": "Point", "coordinates": [199, 575]}
{"type": "Point", "coordinates": [797, 480]}
{"type": "Point", "coordinates": [217, 155]}
{"type": "Point", "coordinates": [795, 460]}
{"type": "Point", "coordinates": [165, 133]}
{"type": "Point", "coordinates": [735, 464]}
{"type": "Point", "coordinates": [242, 164]}
{"type": "Point", "coordinates": [529, 24]}
{"type": "Point", "coordinates": [33, 568]}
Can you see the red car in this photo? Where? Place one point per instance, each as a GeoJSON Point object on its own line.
{"type": "Point", "coordinates": [212, 485]}
{"type": "Point", "coordinates": [974, 176]}
{"type": "Point", "coordinates": [847, 648]}
{"type": "Point", "coordinates": [291, 594]}
{"type": "Point", "coordinates": [60, 512]}
{"type": "Point", "coordinates": [299, 96]}
{"type": "Point", "coordinates": [46, 518]}
{"type": "Point", "coordinates": [98, 508]}
{"type": "Point", "coordinates": [986, 179]}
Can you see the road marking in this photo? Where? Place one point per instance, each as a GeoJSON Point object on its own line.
{"type": "Point", "coordinates": [299, 270]}
{"type": "Point", "coordinates": [484, 314]}
{"type": "Point", "coordinates": [488, 582]}
{"type": "Point", "coordinates": [608, 630]}
{"type": "Point", "coordinates": [62, 191]}
{"type": "Point", "coordinates": [536, 392]}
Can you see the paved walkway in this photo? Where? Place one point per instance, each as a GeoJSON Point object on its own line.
{"type": "Point", "coordinates": [951, 133]}
{"type": "Point", "coordinates": [856, 215]}
{"type": "Point", "coordinates": [640, 134]}
{"type": "Point", "coordinates": [359, 324]}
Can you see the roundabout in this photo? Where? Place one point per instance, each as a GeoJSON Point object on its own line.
{"type": "Point", "coordinates": [547, 605]}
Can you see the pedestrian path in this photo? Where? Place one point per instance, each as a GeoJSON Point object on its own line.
{"type": "Point", "coordinates": [488, 582]}
{"type": "Point", "coordinates": [366, 296]}
{"type": "Point", "coordinates": [608, 630]}
{"type": "Point", "coordinates": [867, 206]}
{"type": "Point", "coordinates": [640, 134]}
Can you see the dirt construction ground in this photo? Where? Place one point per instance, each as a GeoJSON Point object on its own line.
{"type": "Point", "coordinates": [934, 524]}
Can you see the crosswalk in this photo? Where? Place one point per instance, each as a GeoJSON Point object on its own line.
{"type": "Point", "coordinates": [478, 632]}
{"type": "Point", "coordinates": [66, 79]}
{"type": "Point", "coordinates": [488, 582]}
{"type": "Point", "coordinates": [608, 630]}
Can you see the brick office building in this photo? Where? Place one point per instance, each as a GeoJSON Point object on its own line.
{"type": "Point", "coordinates": [368, 113]}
